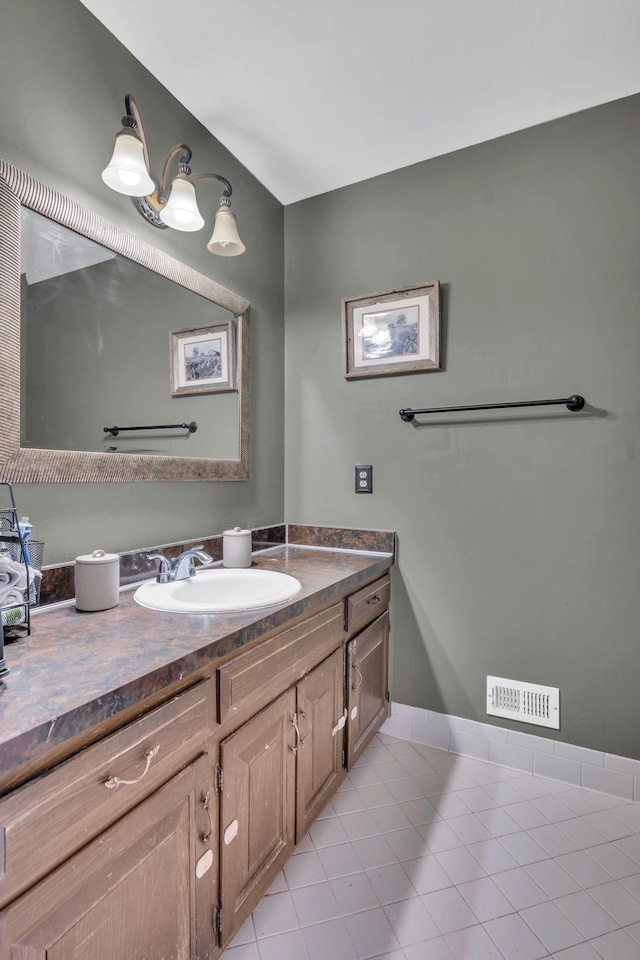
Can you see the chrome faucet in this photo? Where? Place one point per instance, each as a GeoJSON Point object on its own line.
{"type": "Point", "coordinates": [182, 567]}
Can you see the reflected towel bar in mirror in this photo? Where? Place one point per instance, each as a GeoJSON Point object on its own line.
{"type": "Point", "coordinates": [191, 427]}
{"type": "Point", "coordinates": [573, 403]}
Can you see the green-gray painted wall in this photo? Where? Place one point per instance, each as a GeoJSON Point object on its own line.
{"type": "Point", "coordinates": [63, 78]}
{"type": "Point", "coordinates": [519, 536]}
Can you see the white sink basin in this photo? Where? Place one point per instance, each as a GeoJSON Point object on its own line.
{"type": "Point", "coordinates": [219, 591]}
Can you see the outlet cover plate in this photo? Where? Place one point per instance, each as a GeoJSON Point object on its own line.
{"type": "Point", "coordinates": [364, 478]}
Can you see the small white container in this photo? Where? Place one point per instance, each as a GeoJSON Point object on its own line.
{"type": "Point", "coordinates": [236, 548]}
{"type": "Point", "coordinates": [97, 581]}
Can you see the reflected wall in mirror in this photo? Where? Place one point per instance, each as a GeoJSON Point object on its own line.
{"type": "Point", "coordinates": [86, 316]}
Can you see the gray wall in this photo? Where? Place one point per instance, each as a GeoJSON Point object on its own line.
{"type": "Point", "coordinates": [519, 536]}
{"type": "Point", "coordinates": [63, 79]}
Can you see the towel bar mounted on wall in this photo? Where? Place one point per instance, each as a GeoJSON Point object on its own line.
{"type": "Point", "coordinates": [191, 427]}
{"type": "Point", "coordinates": [573, 403]}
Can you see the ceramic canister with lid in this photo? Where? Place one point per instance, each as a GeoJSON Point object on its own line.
{"type": "Point", "coordinates": [97, 580]}
{"type": "Point", "coordinates": [236, 548]}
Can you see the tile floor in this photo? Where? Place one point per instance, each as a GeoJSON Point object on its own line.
{"type": "Point", "coordinates": [425, 855]}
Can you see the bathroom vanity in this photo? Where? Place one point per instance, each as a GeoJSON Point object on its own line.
{"type": "Point", "coordinates": [157, 770]}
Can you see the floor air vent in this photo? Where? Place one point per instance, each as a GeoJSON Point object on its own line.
{"type": "Point", "coordinates": [528, 702]}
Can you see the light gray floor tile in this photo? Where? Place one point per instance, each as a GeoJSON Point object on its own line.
{"type": "Point", "coordinates": [437, 949]}
{"type": "Point", "coordinates": [520, 888]}
{"type": "Point", "coordinates": [353, 894]}
{"type": "Point", "coordinates": [286, 946]}
{"type": "Point", "coordinates": [582, 951]}
{"type": "Point", "coordinates": [498, 822]}
{"type": "Point", "coordinates": [423, 855]}
{"type": "Point", "coordinates": [614, 861]}
{"type": "Point", "coordinates": [315, 904]}
{"type": "Point", "coordinates": [426, 875]}
{"type": "Point", "coordinates": [515, 939]}
{"type": "Point", "coordinates": [470, 828]}
{"type": "Point", "coordinates": [373, 852]}
{"type": "Point", "coordinates": [552, 927]}
{"type": "Point", "coordinates": [485, 899]}
{"type": "Point", "coordinates": [338, 861]}
{"type": "Point", "coordinates": [450, 910]}
{"type": "Point", "coordinates": [582, 868]}
{"type": "Point", "coordinates": [391, 884]}
{"type": "Point", "coordinates": [617, 946]}
{"type": "Point", "coordinates": [618, 901]}
{"type": "Point", "coordinates": [582, 833]}
{"type": "Point", "coordinates": [371, 934]}
{"type": "Point", "coordinates": [246, 951]}
{"type": "Point", "coordinates": [523, 848]}
{"type": "Point", "coordinates": [460, 865]}
{"type": "Point", "coordinates": [407, 844]}
{"type": "Point", "coordinates": [474, 943]}
{"type": "Point", "coordinates": [329, 940]}
{"type": "Point", "coordinates": [411, 921]}
{"type": "Point", "coordinates": [492, 856]}
{"type": "Point", "coordinates": [586, 914]}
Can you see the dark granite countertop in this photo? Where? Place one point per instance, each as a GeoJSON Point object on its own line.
{"type": "Point", "coordinates": [79, 670]}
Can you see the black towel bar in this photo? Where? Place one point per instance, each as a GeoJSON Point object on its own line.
{"type": "Point", "coordinates": [573, 403]}
{"type": "Point", "coordinates": [191, 427]}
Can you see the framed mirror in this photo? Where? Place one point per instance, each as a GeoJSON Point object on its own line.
{"type": "Point", "coordinates": [89, 321]}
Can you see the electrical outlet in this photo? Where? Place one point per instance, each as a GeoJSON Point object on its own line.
{"type": "Point", "coordinates": [364, 478]}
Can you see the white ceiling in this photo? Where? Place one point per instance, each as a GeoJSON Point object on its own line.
{"type": "Point", "coordinates": [312, 95]}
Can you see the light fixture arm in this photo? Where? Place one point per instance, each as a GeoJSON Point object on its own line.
{"type": "Point", "coordinates": [184, 162]}
{"type": "Point", "coordinates": [215, 176]}
{"type": "Point", "coordinates": [134, 120]}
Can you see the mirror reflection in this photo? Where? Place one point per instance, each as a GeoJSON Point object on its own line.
{"type": "Point", "coordinates": [96, 352]}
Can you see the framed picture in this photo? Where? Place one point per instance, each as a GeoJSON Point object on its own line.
{"type": "Point", "coordinates": [203, 359]}
{"type": "Point", "coordinates": [395, 331]}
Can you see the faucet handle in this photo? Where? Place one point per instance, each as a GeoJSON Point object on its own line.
{"type": "Point", "coordinates": [164, 569]}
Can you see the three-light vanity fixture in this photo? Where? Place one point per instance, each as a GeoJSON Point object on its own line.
{"type": "Point", "coordinates": [128, 173]}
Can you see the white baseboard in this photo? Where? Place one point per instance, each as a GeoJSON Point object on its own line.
{"type": "Point", "coordinates": [540, 756]}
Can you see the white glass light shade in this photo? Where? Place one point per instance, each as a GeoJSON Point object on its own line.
{"type": "Point", "coordinates": [181, 210]}
{"type": "Point", "coordinates": [127, 172]}
{"type": "Point", "coordinates": [225, 241]}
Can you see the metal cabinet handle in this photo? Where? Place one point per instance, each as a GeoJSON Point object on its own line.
{"type": "Point", "coordinates": [113, 782]}
{"type": "Point", "coordinates": [355, 687]}
{"type": "Point", "coordinates": [308, 734]}
{"type": "Point", "coordinates": [294, 721]}
{"type": "Point", "coordinates": [206, 803]}
{"type": "Point", "coordinates": [375, 599]}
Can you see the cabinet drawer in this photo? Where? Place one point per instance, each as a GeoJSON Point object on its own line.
{"type": "Point", "coordinates": [364, 606]}
{"type": "Point", "coordinates": [44, 822]}
{"type": "Point", "coordinates": [257, 677]}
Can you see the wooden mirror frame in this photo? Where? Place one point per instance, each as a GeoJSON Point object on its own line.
{"type": "Point", "coordinates": [35, 465]}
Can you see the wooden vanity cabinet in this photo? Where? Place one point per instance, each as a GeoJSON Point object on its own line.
{"type": "Point", "coordinates": [139, 890]}
{"type": "Point", "coordinates": [277, 770]}
{"type": "Point", "coordinates": [367, 696]}
{"type": "Point", "coordinates": [367, 657]}
{"type": "Point", "coordinates": [214, 789]}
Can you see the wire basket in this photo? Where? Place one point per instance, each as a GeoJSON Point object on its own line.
{"type": "Point", "coordinates": [35, 549]}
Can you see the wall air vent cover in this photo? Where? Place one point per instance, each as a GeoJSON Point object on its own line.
{"type": "Point", "coordinates": [527, 702]}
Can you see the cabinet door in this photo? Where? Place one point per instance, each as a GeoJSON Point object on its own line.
{"type": "Point", "coordinates": [140, 890]}
{"type": "Point", "coordinates": [367, 700]}
{"type": "Point", "coordinates": [321, 738]}
{"type": "Point", "coordinates": [257, 808]}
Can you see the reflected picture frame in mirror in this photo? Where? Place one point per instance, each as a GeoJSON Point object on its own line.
{"type": "Point", "coordinates": [37, 465]}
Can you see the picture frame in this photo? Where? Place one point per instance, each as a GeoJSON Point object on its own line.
{"type": "Point", "coordinates": [203, 359]}
{"type": "Point", "coordinates": [392, 332]}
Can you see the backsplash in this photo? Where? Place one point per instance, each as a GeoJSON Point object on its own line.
{"type": "Point", "coordinates": [58, 579]}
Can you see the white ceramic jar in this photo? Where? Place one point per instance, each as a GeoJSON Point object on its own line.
{"type": "Point", "coordinates": [236, 548]}
{"type": "Point", "coordinates": [97, 581]}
